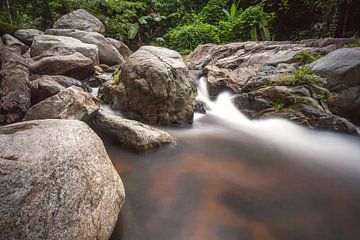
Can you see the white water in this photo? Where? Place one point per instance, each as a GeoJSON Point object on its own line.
{"type": "Point", "coordinates": [327, 148]}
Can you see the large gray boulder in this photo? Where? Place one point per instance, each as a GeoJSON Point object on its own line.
{"type": "Point", "coordinates": [54, 45]}
{"type": "Point", "coordinates": [341, 68]}
{"type": "Point", "coordinates": [131, 134]}
{"type": "Point", "coordinates": [154, 88]}
{"type": "Point", "coordinates": [108, 54]}
{"type": "Point", "coordinates": [82, 20]}
{"type": "Point", "coordinates": [57, 182]}
{"type": "Point", "coordinates": [72, 103]}
{"type": "Point", "coordinates": [73, 65]}
{"type": "Point", "coordinates": [27, 35]}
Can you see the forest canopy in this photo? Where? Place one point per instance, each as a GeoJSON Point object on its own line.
{"type": "Point", "coordinates": [183, 24]}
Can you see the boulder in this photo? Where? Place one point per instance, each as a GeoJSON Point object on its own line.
{"type": "Point", "coordinates": [57, 182]}
{"type": "Point", "coordinates": [45, 45]}
{"type": "Point", "coordinates": [71, 103]}
{"type": "Point", "coordinates": [12, 42]}
{"type": "Point", "coordinates": [14, 85]}
{"type": "Point", "coordinates": [47, 86]}
{"type": "Point", "coordinates": [82, 20]}
{"type": "Point", "coordinates": [121, 47]}
{"type": "Point", "coordinates": [108, 54]}
{"type": "Point", "coordinates": [346, 103]}
{"type": "Point", "coordinates": [154, 88]}
{"type": "Point", "coordinates": [131, 134]}
{"type": "Point", "coordinates": [27, 35]}
{"type": "Point", "coordinates": [341, 68]}
{"type": "Point", "coordinates": [73, 65]}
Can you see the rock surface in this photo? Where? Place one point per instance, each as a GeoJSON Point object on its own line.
{"type": "Point", "coordinates": [258, 72]}
{"type": "Point", "coordinates": [57, 182]}
{"type": "Point", "coordinates": [12, 42]}
{"type": "Point", "coordinates": [154, 88]}
{"type": "Point", "coordinates": [341, 68]}
{"type": "Point", "coordinates": [14, 86]}
{"type": "Point", "coordinates": [72, 103]}
{"type": "Point", "coordinates": [73, 65]}
{"type": "Point", "coordinates": [108, 54]}
{"type": "Point", "coordinates": [27, 35]}
{"type": "Point", "coordinates": [121, 47]}
{"type": "Point", "coordinates": [47, 86]}
{"type": "Point", "coordinates": [45, 45]}
{"type": "Point", "coordinates": [82, 20]}
{"type": "Point", "coordinates": [131, 134]}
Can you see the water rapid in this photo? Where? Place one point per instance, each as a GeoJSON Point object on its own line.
{"type": "Point", "coordinates": [233, 178]}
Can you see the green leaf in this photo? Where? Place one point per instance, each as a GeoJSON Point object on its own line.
{"type": "Point", "coordinates": [253, 34]}
{"type": "Point", "coordinates": [143, 20]}
{"type": "Point", "coordinates": [233, 10]}
{"type": "Point", "coordinates": [133, 30]}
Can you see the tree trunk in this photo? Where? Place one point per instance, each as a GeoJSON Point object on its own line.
{"type": "Point", "coordinates": [8, 28]}
{"type": "Point", "coordinates": [14, 85]}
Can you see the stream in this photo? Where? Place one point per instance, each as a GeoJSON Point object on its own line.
{"type": "Point", "coordinates": [231, 178]}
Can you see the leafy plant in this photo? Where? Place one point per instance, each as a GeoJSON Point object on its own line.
{"type": "Point", "coordinates": [306, 57]}
{"type": "Point", "coordinates": [188, 37]}
{"type": "Point", "coordinates": [303, 76]}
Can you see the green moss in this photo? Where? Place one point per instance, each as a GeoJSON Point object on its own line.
{"type": "Point", "coordinates": [278, 105]}
{"type": "Point", "coordinates": [116, 76]}
{"type": "Point", "coordinates": [307, 57]}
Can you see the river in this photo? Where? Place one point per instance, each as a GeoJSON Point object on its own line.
{"type": "Point", "coordinates": [230, 178]}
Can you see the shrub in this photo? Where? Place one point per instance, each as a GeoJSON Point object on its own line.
{"type": "Point", "coordinates": [186, 38]}
{"type": "Point", "coordinates": [213, 12]}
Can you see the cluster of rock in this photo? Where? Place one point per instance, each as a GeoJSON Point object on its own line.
{"type": "Point", "coordinates": [57, 180]}
{"type": "Point", "coordinates": [257, 72]}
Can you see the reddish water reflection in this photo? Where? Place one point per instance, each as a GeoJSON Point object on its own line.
{"type": "Point", "coordinates": [219, 185]}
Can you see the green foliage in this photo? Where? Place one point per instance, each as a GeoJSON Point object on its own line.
{"type": "Point", "coordinates": [253, 24]}
{"type": "Point", "coordinates": [304, 76]}
{"type": "Point", "coordinates": [307, 57]}
{"type": "Point", "coordinates": [353, 45]}
{"type": "Point", "coordinates": [213, 12]}
{"type": "Point", "coordinates": [188, 37]}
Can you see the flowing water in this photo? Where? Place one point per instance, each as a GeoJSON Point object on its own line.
{"type": "Point", "coordinates": [231, 178]}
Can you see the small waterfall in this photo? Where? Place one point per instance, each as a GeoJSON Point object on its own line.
{"type": "Point", "coordinates": [287, 137]}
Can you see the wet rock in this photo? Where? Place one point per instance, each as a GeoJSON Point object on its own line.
{"type": "Point", "coordinates": [71, 103]}
{"type": "Point", "coordinates": [100, 79]}
{"type": "Point", "coordinates": [341, 68]}
{"type": "Point", "coordinates": [27, 35]}
{"type": "Point", "coordinates": [12, 42]}
{"type": "Point", "coordinates": [313, 118]}
{"type": "Point", "coordinates": [108, 54]}
{"type": "Point", "coordinates": [81, 20]}
{"type": "Point", "coordinates": [154, 88]}
{"type": "Point", "coordinates": [57, 182]}
{"type": "Point", "coordinates": [48, 45]}
{"type": "Point", "coordinates": [131, 134]}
